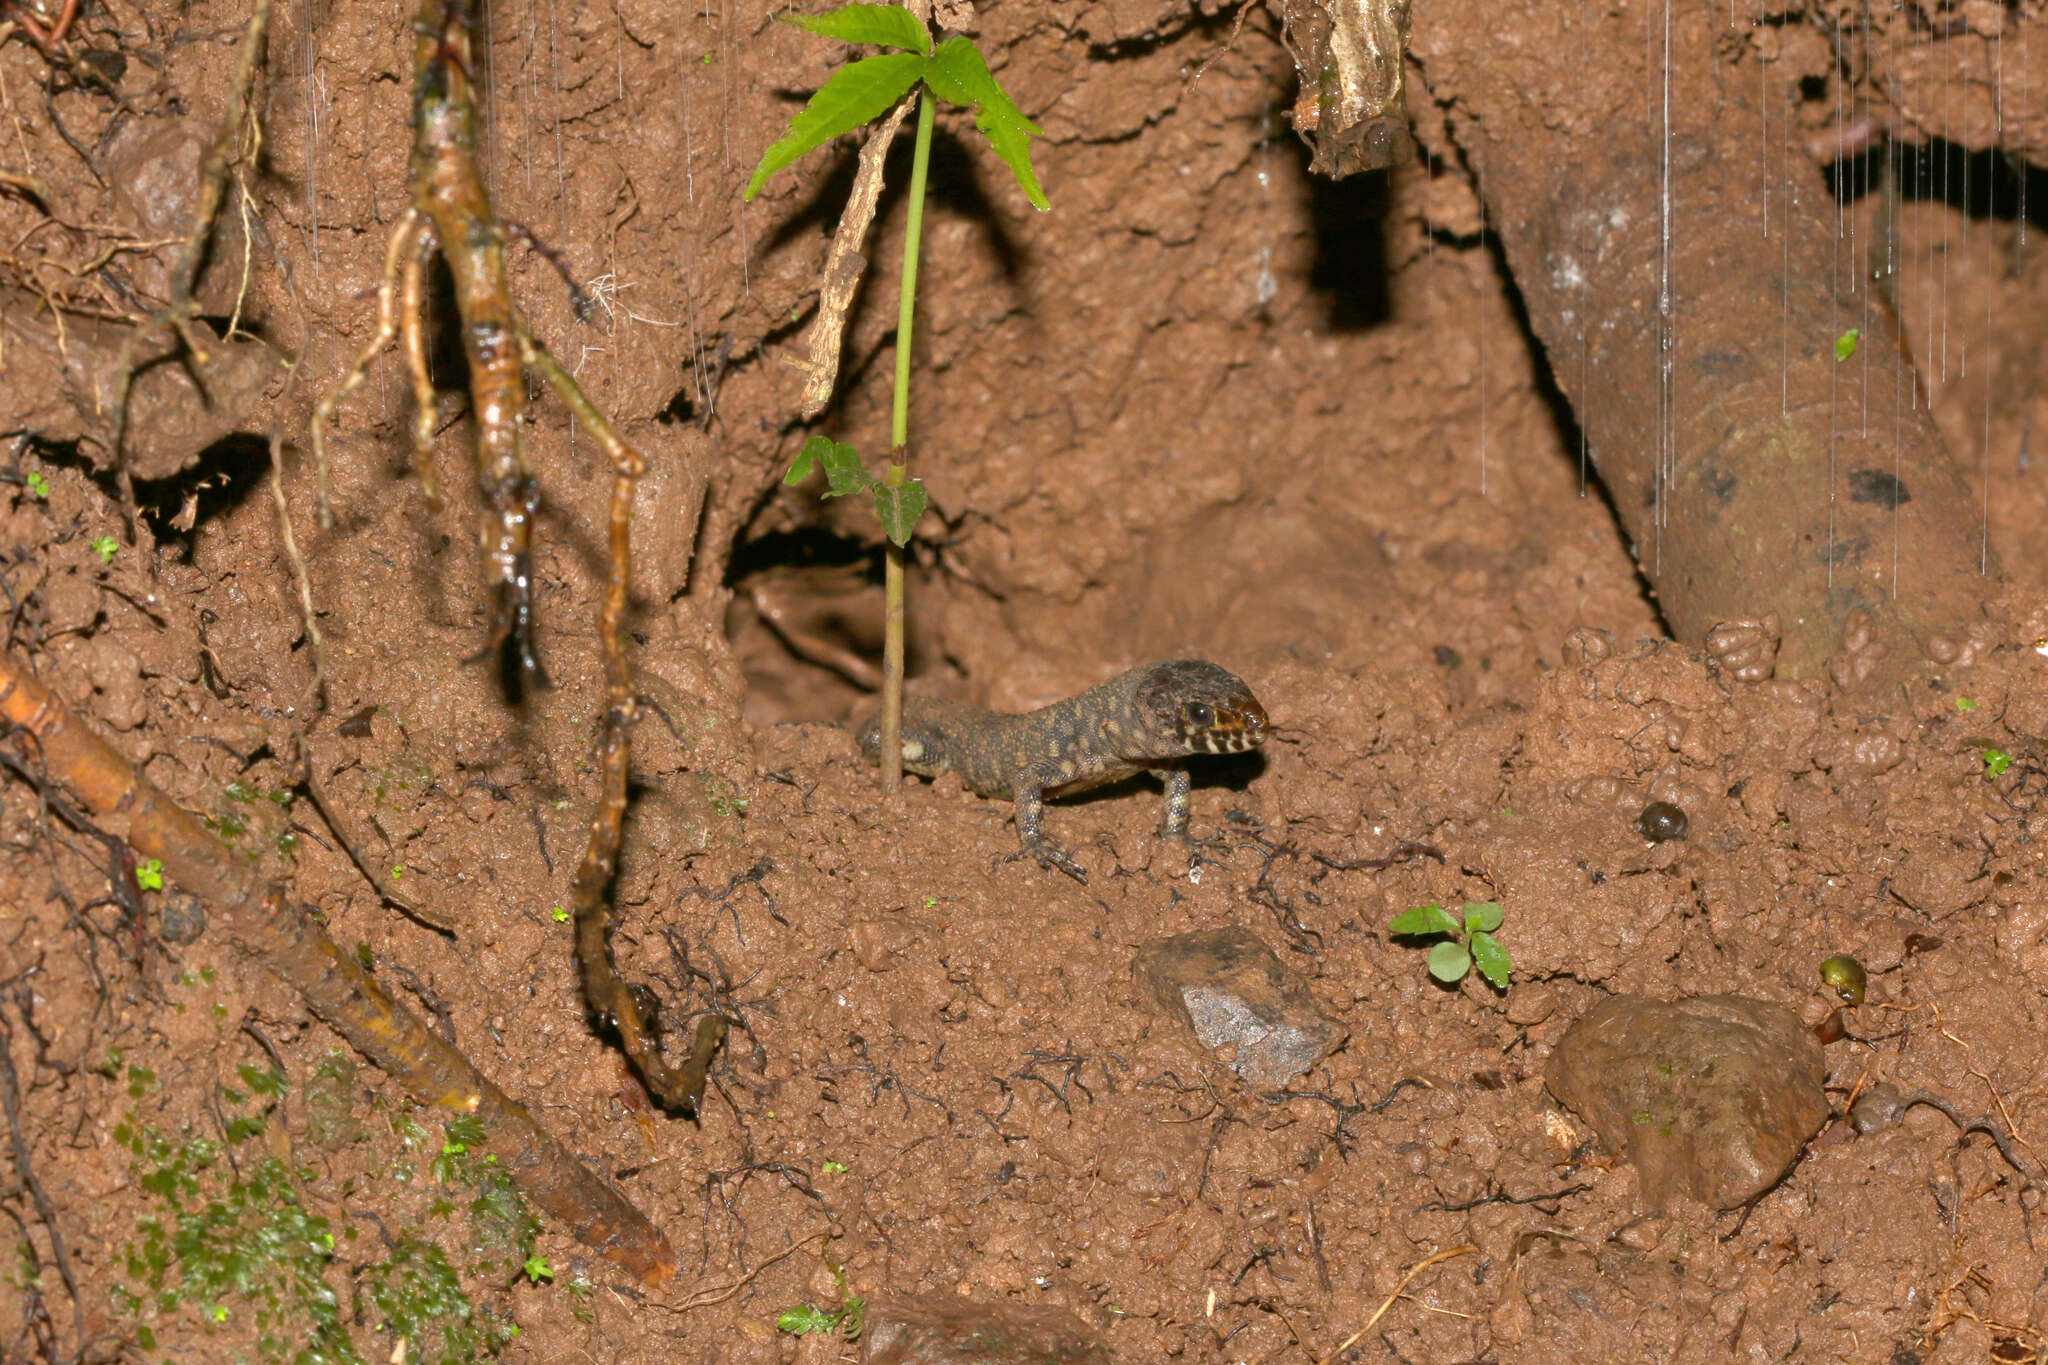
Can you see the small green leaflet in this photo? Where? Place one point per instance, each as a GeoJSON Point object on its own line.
{"type": "Point", "coordinates": [1424, 919]}
{"type": "Point", "coordinates": [882, 25]}
{"type": "Point", "coordinates": [1482, 916]}
{"type": "Point", "coordinates": [1448, 962]}
{"type": "Point", "coordinates": [804, 1320]}
{"type": "Point", "coordinates": [858, 93]}
{"type": "Point", "coordinates": [958, 74]}
{"type": "Point", "coordinates": [1845, 344]}
{"type": "Point", "coordinates": [899, 509]}
{"type": "Point", "coordinates": [1492, 959]}
{"type": "Point", "coordinates": [1996, 761]}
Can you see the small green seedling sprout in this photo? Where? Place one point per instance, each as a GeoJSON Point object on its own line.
{"type": "Point", "coordinates": [150, 876]}
{"type": "Point", "coordinates": [805, 1319]}
{"type": "Point", "coordinates": [1845, 344]}
{"type": "Point", "coordinates": [911, 67]}
{"type": "Point", "coordinates": [1996, 761]}
{"type": "Point", "coordinates": [1965, 704]}
{"type": "Point", "coordinates": [105, 547]}
{"type": "Point", "coordinates": [835, 1168]}
{"type": "Point", "coordinates": [1465, 944]}
{"type": "Point", "coordinates": [537, 1269]}
{"type": "Point", "coordinates": [38, 485]}
{"type": "Point", "coordinates": [561, 915]}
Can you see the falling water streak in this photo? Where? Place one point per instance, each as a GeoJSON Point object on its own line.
{"type": "Point", "coordinates": [2026, 38]}
{"type": "Point", "coordinates": [1895, 162]}
{"type": "Point", "coordinates": [561, 169]}
{"type": "Point", "coordinates": [1947, 122]}
{"type": "Point", "coordinates": [1667, 435]}
{"type": "Point", "coordinates": [1990, 272]}
{"type": "Point", "coordinates": [532, 95]}
{"type": "Point", "coordinates": [491, 119]}
{"type": "Point", "coordinates": [1785, 278]}
{"type": "Point", "coordinates": [1763, 104]}
{"type": "Point", "coordinates": [725, 65]}
{"type": "Point", "coordinates": [1586, 249]}
{"type": "Point", "coordinates": [1862, 201]}
{"type": "Point", "coordinates": [312, 52]}
{"type": "Point", "coordinates": [1963, 361]}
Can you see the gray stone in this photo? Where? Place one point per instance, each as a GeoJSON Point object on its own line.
{"type": "Point", "coordinates": [1233, 992]}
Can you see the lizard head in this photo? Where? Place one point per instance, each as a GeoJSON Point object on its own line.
{"type": "Point", "coordinates": [1199, 708]}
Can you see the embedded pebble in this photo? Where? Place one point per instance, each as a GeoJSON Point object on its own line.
{"type": "Point", "coordinates": [1661, 821]}
{"type": "Point", "coordinates": [1711, 1096]}
{"type": "Point", "coordinates": [1233, 992]}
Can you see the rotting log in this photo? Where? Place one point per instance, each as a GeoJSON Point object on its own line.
{"type": "Point", "coordinates": [262, 920]}
{"type": "Point", "coordinates": [1681, 266]}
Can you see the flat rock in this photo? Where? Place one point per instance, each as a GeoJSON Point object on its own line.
{"type": "Point", "coordinates": [944, 1329]}
{"type": "Point", "coordinates": [1233, 992]}
{"type": "Point", "coordinates": [1711, 1096]}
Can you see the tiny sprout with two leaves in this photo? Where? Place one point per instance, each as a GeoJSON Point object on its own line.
{"type": "Point", "coordinates": [150, 876]}
{"type": "Point", "coordinates": [1465, 945]}
{"type": "Point", "coordinates": [106, 547]}
{"type": "Point", "coordinates": [897, 507]}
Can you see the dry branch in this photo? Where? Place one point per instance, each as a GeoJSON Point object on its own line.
{"type": "Point", "coordinates": [260, 918]}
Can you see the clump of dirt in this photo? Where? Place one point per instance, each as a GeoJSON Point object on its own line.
{"type": "Point", "coordinates": [1206, 406]}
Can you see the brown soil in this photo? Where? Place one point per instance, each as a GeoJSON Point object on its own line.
{"type": "Point", "coordinates": [1206, 405]}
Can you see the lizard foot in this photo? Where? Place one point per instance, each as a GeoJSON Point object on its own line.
{"type": "Point", "coordinates": [1051, 855]}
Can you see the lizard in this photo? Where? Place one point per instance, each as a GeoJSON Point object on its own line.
{"type": "Point", "coordinates": [1145, 720]}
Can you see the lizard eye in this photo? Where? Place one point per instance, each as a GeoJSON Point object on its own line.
{"type": "Point", "coordinates": [1200, 715]}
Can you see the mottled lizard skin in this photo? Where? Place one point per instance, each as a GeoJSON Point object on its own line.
{"type": "Point", "coordinates": [1146, 720]}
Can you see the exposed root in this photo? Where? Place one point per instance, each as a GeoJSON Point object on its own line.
{"type": "Point", "coordinates": [261, 918]}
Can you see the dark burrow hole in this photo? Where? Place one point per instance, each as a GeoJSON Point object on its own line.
{"type": "Point", "coordinates": [1988, 184]}
{"type": "Point", "coordinates": [806, 622]}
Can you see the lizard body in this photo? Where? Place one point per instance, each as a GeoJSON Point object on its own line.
{"type": "Point", "coordinates": [1146, 720]}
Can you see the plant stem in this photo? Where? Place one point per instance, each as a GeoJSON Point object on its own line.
{"type": "Point", "coordinates": [898, 468]}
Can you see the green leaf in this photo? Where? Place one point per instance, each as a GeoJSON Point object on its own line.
{"type": "Point", "coordinates": [1423, 919]}
{"type": "Point", "coordinates": [858, 93]}
{"type": "Point", "coordinates": [804, 1320]}
{"type": "Point", "coordinates": [899, 509]}
{"type": "Point", "coordinates": [1482, 916]}
{"type": "Point", "coordinates": [882, 25]}
{"type": "Point", "coordinates": [38, 485]}
{"type": "Point", "coordinates": [806, 460]}
{"type": "Point", "coordinates": [1448, 963]}
{"type": "Point", "coordinates": [106, 547]}
{"type": "Point", "coordinates": [1493, 960]}
{"type": "Point", "coordinates": [845, 475]}
{"type": "Point", "coordinates": [1845, 344]}
{"type": "Point", "coordinates": [958, 74]}
{"type": "Point", "coordinates": [1965, 704]}
{"type": "Point", "coordinates": [1996, 761]}
{"type": "Point", "coordinates": [150, 876]}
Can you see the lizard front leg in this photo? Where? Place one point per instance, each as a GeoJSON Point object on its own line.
{"type": "Point", "coordinates": [1173, 822]}
{"type": "Point", "coordinates": [1030, 811]}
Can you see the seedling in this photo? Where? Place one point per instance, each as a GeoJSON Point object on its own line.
{"type": "Point", "coordinates": [105, 547]}
{"type": "Point", "coordinates": [858, 94]}
{"type": "Point", "coordinates": [1845, 344]}
{"type": "Point", "coordinates": [805, 1319]}
{"type": "Point", "coordinates": [1465, 944]}
{"type": "Point", "coordinates": [150, 876]}
{"type": "Point", "coordinates": [38, 485]}
{"type": "Point", "coordinates": [1996, 761]}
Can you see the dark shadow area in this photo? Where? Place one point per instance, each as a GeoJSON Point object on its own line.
{"type": "Point", "coordinates": [177, 508]}
{"type": "Point", "coordinates": [1989, 184]}
{"type": "Point", "coordinates": [1350, 268]}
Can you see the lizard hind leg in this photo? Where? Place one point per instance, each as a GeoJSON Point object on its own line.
{"type": "Point", "coordinates": [1034, 844]}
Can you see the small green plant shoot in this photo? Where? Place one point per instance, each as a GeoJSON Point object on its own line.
{"type": "Point", "coordinates": [858, 94]}
{"type": "Point", "coordinates": [150, 876]}
{"type": "Point", "coordinates": [1845, 344]}
{"type": "Point", "coordinates": [38, 485]}
{"type": "Point", "coordinates": [1465, 944]}
{"type": "Point", "coordinates": [106, 547]}
{"type": "Point", "coordinates": [1996, 761]}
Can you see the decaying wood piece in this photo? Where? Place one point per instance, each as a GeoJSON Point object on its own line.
{"type": "Point", "coordinates": [1687, 293]}
{"type": "Point", "coordinates": [1353, 106]}
{"type": "Point", "coordinates": [261, 918]}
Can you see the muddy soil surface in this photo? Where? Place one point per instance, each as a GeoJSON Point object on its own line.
{"type": "Point", "coordinates": [1204, 406]}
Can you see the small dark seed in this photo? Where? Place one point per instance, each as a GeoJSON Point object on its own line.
{"type": "Point", "coordinates": [1845, 974]}
{"type": "Point", "coordinates": [1660, 821]}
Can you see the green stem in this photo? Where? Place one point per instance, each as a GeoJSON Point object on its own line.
{"type": "Point", "coordinates": [898, 468]}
